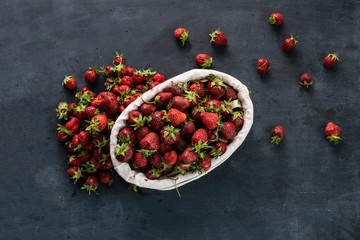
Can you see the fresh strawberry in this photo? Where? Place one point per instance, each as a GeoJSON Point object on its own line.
{"type": "Point", "coordinates": [124, 152]}
{"type": "Point", "coordinates": [130, 71]}
{"type": "Point", "coordinates": [203, 60]}
{"type": "Point", "coordinates": [189, 157]}
{"type": "Point", "coordinates": [220, 149]}
{"type": "Point", "coordinates": [147, 109]}
{"type": "Point", "coordinates": [150, 142]}
{"type": "Point", "coordinates": [198, 88]}
{"type": "Point", "coordinates": [163, 98]}
{"type": "Point", "coordinates": [89, 146]}
{"type": "Point", "coordinates": [91, 75]}
{"type": "Point", "coordinates": [175, 116]}
{"type": "Point", "coordinates": [83, 137]}
{"type": "Point", "coordinates": [133, 116]}
{"type": "Point", "coordinates": [119, 59]}
{"type": "Point", "coordinates": [91, 184]}
{"type": "Point", "coordinates": [141, 87]}
{"type": "Point", "coordinates": [178, 91]}
{"type": "Point", "coordinates": [157, 121]}
{"type": "Point", "coordinates": [237, 118]}
{"type": "Point", "coordinates": [121, 108]}
{"type": "Point", "coordinates": [289, 43]}
{"type": "Point", "coordinates": [97, 124]}
{"type": "Point", "coordinates": [211, 134]}
{"type": "Point", "coordinates": [105, 177]}
{"type": "Point", "coordinates": [276, 19]}
{"type": "Point", "coordinates": [74, 172]}
{"type": "Point", "coordinates": [181, 145]}
{"type": "Point", "coordinates": [79, 112]}
{"type": "Point", "coordinates": [62, 110]}
{"type": "Point", "coordinates": [154, 84]}
{"type": "Point", "coordinates": [205, 163]}
{"type": "Point", "coordinates": [110, 103]}
{"type": "Point", "coordinates": [152, 173]}
{"type": "Point", "coordinates": [140, 160]}
{"type": "Point", "coordinates": [192, 97]}
{"type": "Point", "coordinates": [142, 132]}
{"type": "Point", "coordinates": [91, 111]}
{"type": "Point", "coordinates": [216, 87]}
{"type": "Point", "coordinates": [218, 38]}
{"type": "Point", "coordinates": [230, 94]}
{"type": "Point", "coordinates": [62, 133]}
{"type": "Point", "coordinates": [188, 129]}
{"type": "Point", "coordinates": [170, 158]}
{"type": "Point", "coordinates": [181, 34]}
{"type": "Point", "coordinates": [277, 134]}
{"type": "Point", "coordinates": [213, 104]}
{"type": "Point", "coordinates": [209, 119]}
{"type": "Point", "coordinates": [138, 79]}
{"type": "Point", "coordinates": [305, 80]}
{"type": "Point", "coordinates": [127, 134]}
{"type": "Point", "coordinates": [75, 141]}
{"type": "Point", "coordinates": [263, 66]}
{"type": "Point", "coordinates": [200, 135]}
{"type": "Point", "coordinates": [169, 135]}
{"type": "Point", "coordinates": [71, 106]}
{"type": "Point", "coordinates": [128, 100]}
{"type": "Point", "coordinates": [330, 60]}
{"type": "Point", "coordinates": [69, 82]}
{"type": "Point", "coordinates": [333, 133]}
{"type": "Point", "coordinates": [108, 71]}
{"type": "Point", "coordinates": [159, 78]}
{"type": "Point", "coordinates": [126, 80]}
{"type": "Point", "coordinates": [155, 160]}
{"type": "Point", "coordinates": [163, 148]}
{"type": "Point", "coordinates": [73, 125]}
{"type": "Point", "coordinates": [228, 131]}
{"type": "Point", "coordinates": [180, 103]}
{"type": "Point", "coordinates": [74, 161]}
{"type": "Point", "coordinates": [107, 165]}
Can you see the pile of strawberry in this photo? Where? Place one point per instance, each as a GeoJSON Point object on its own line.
{"type": "Point", "coordinates": [182, 129]}
{"type": "Point", "coordinates": [88, 122]}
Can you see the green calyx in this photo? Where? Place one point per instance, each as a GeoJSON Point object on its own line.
{"type": "Point", "coordinates": [102, 143]}
{"type": "Point", "coordinates": [90, 189]}
{"type": "Point", "coordinates": [147, 153]}
{"type": "Point", "coordinates": [199, 148]}
{"type": "Point", "coordinates": [62, 110]}
{"type": "Point", "coordinates": [77, 175]}
{"type": "Point", "coordinates": [89, 167]}
{"type": "Point", "coordinates": [85, 97]}
{"type": "Point", "coordinates": [237, 114]}
{"type": "Point", "coordinates": [117, 55]}
{"type": "Point", "coordinates": [125, 139]}
{"type": "Point", "coordinates": [118, 68]}
{"type": "Point", "coordinates": [71, 158]}
{"type": "Point", "coordinates": [179, 170]}
{"type": "Point", "coordinates": [334, 139]}
{"type": "Point", "coordinates": [272, 20]}
{"type": "Point", "coordinates": [206, 63]}
{"type": "Point", "coordinates": [170, 132]}
{"type": "Point", "coordinates": [226, 106]}
{"type": "Point", "coordinates": [93, 128]}
{"type": "Point", "coordinates": [94, 68]}
{"type": "Point", "coordinates": [218, 127]}
{"type": "Point", "coordinates": [333, 56]}
{"type": "Point", "coordinates": [216, 152]}
{"type": "Point", "coordinates": [67, 79]}
{"type": "Point", "coordinates": [80, 108]}
{"type": "Point", "coordinates": [184, 37]}
{"type": "Point", "coordinates": [120, 150]}
{"type": "Point", "coordinates": [145, 73]}
{"type": "Point", "coordinates": [216, 81]}
{"type": "Point", "coordinates": [111, 82]}
{"type": "Point", "coordinates": [192, 96]}
{"type": "Point", "coordinates": [110, 123]}
{"type": "Point", "coordinates": [294, 38]}
{"type": "Point", "coordinates": [140, 122]}
{"type": "Point", "coordinates": [213, 35]}
{"type": "Point", "coordinates": [155, 172]}
{"type": "Point", "coordinates": [133, 187]}
{"type": "Point", "coordinates": [275, 140]}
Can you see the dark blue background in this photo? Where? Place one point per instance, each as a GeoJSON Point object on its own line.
{"type": "Point", "coordinates": [305, 188]}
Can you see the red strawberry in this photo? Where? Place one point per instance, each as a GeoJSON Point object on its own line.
{"type": "Point", "coordinates": [79, 112]}
{"type": "Point", "coordinates": [126, 134]}
{"type": "Point", "coordinates": [126, 80]}
{"type": "Point", "coordinates": [120, 90]}
{"type": "Point", "coordinates": [157, 121]}
{"type": "Point", "coordinates": [97, 124]}
{"type": "Point", "coordinates": [177, 91]}
{"type": "Point", "coordinates": [75, 141]}
{"type": "Point", "coordinates": [203, 60]}
{"type": "Point", "coordinates": [189, 157]}
{"type": "Point", "coordinates": [141, 87]}
{"type": "Point", "coordinates": [133, 116]}
{"type": "Point", "coordinates": [289, 43]}
{"type": "Point", "coordinates": [221, 147]}
{"type": "Point", "coordinates": [230, 94]}
{"type": "Point", "coordinates": [121, 108]}
{"type": "Point", "coordinates": [90, 75]}
{"type": "Point", "coordinates": [181, 34]}
{"type": "Point", "coordinates": [263, 66]}
{"type": "Point", "coordinates": [163, 98]}
{"type": "Point", "coordinates": [216, 87]}
{"type": "Point", "coordinates": [175, 116]}
{"type": "Point", "coordinates": [163, 148]}
{"type": "Point", "coordinates": [170, 158]}
{"type": "Point", "coordinates": [108, 71]}
{"type": "Point", "coordinates": [90, 111]}
{"type": "Point", "coordinates": [138, 79]}
{"type": "Point", "coordinates": [83, 137]}
{"type": "Point", "coordinates": [74, 172]}
{"type": "Point", "coordinates": [105, 177]}
{"type": "Point", "coordinates": [333, 133]}
{"type": "Point", "coordinates": [192, 97]}
{"type": "Point", "coordinates": [228, 131]}
{"type": "Point", "coordinates": [91, 184]}
{"type": "Point", "coordinates": [73, 125]}
{"type": "Point", "coordinates": [205, 163]}
{"type": "Point", "coordinates": [152, 173]}
{"type": "Point", "coordinates": [200, 135]}
{"type": "Point", "coordinates": [128, 100]}
{"type": "Point", "coordinates": [69, 82]}
{"type": "Point", "coordinates": [142, 132]}
{"type": "Point", "coordinates": [188, 129]}
{"type": "Point", "coordinates": [169, 135]}
{"type": "Point", "coordinates": [213, 103]}
{"type": "Point", "coordinates": [139, 160]}
{"type": "Point", "coordinates": [180, 145]}
{"type": "Point", "coordinates": [306, 79]}
{"type": "Point", "coordinates": [199, 89]}
{"type": "Point", "coordinates": [71, 106]}
{"type": "Point", "coordinates": [276, 19]}
{"type": "Point", "coordinates": [119, 59]}
{"type": "Point", "coordinates": [62, 133]}
{"type": "Point", "coordinates": [150, 142]}
{"type": "Point", "coordinates": [110, 103]}
{"type": "Point", "coordinates": [218, 38]}
{"type": "Point", "coordinates": [107, 165]}
{"type": "Point", "coordinates": [211, 134]}
{"type": "Point", "coordinates": [237, 118]}
{"type": "Point", "coordinates": [147, 109]}
{"type": "Point", "coordinates": [74, 161]}
{"type": "Point", "coordinates": [180, 103]}
{"type": "Point", "coordinates": [130, 71]}
{"type": "Point", "coordinates": [209, 120]}
{"type": "Point", "coordinates": [89, 146]}
{"type": "Point", "coordinates": [154, 84]}
{"type": "Point", "coordinates": [277, 134]}
{"type": "Point", "coordinates": [330, 60]}
{"type": "Point", "coordinates": [124, 152]}
{"type": "Point", "coordinates": [155, 160]}
{"type": "Point", "coordinates": [159, 78]}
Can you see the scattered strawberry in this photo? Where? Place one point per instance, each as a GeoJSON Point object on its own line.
{"type": "Point", "coordinates": [74, 172]}
{"type": "Point", "coordinates": [91, 75]}
{"type": "Point", "coordinates": [181, 34]}
{"type": "Point", "coordinates": [159, 78]}
{"type": "Point", "coordinates": [69, 82]}
{"type": "Point", "coordinates": [277, 134]}
{"type": "Point", "coordinates": [105, 177]}
{"type": "Point", "coordinates": [263, 66]}
{"type": "Point", "coordinates": [218, 38]}
{"type": "Point", "coordinates": [333, 133]}
{"type": "Point", "coordinates": [305, 80]}
{"type": "Point", "coordinates": [289, 43]}
{"type": "Point", "coordinates": [330, 60]}
{"type": "Point", "coordinates": [91, 184]}
{"type": "Point", "coordinates": [276, 19]}
{"type": "Point", "coordinates": [203, 60]}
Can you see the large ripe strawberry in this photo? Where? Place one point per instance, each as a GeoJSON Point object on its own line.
{"type": "Point", "coordinates": [91, 184]}
{"type": "Point", "coordinates": [124, 152]}
{"type": "Point", "coordinates": [276, 19]}
{"type": "Point", "coordinates": [277, 134]}
{"type": "Point", "coordinates": [205, 163]}
{"type": "Point", "coordinates": [175, 116]}
{"type": "Point", "coordinates": [180, 103]}
{"type": "Point", "coordinates": [127, 135]}
{"type": "Point", "coordinates": [105, 177]}
{"type": "Point", "coordinates": [333, 133]}
{"type": "Point", "coordinates": [189, 156]}
{"type": "Point", "coordinates": [140, 160]}
{"type": "Point", "coordinates": [170, 158]}
{"type": "Point", "coordinates": [198, 88]}
{"type": "Point", "coordinates": [216, 87]}
{"type": "Point", "coordinates": [209, 119]}
{"type": "Point", "coordinates": [159, 78]}
{"type": "Point", "coordinates": [97, 124]}
{"type": "Point", "coordinates": [69, 82]}
{"type": "Point", "coordinates": [150, 142]}
{"type": "Point", "coordinates": [290, 43]}
{"type": "Point", "coordinates": [73, 125]}
{"type": "Point", "coordinates": [142, 132]}
{"type": "Point", "coordinates": [200, 135]}
{"type": "Point", "coordinates": [203, 60]}
{"type": "Point", "coordinates": [146, 109]}
{"type": "Point", "coordinates": [181, 34]}
{"type": "Point", "coordinates": [169, 135]}
{"type": "Point", "coordinates": [228, 131]}
{"type": "Point", "coordinates": [74, 172]}
{"type": "Point", "coordinates": [263, 65]}
{"type": "Point", "coordinates": [91, 75]}
{"type": "Point", "coordinates": [305, 80]}
{"type": "Point", "coordinates": [188, 129]}
{"type": "Point", "coordinates": [157, 121]}
{"type": "Point", "coordinates": [106, 165]}
{"type": "Point", "coordinates": [218, 38]}
{"type": "Point", "coordinates": [330, 60]}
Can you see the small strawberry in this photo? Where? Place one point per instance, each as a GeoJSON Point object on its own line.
{"type": "Point", "coordinates": [230, 94]}
{"type": "Point", "coordinates": [119, 59]}
{"type": "Point", "coordinates": [141, 88]}
{"type": "Point", "coordinates": [97, 124]}
{"type": "Point", "coordinates": [170, 158]}
{"type": "Point", "coordinates": [205, 163]}
{"type": "Point", "coordinates": [175, 116]}
{"type": "Point", "coordinates": [218, 38]}
{"type": "Point", "coordinates": [188, 129]}
{"type": "Point", "coordinates": [157, 121]}
{"type": "Point", "coordinates": [263, 65]}
{"type": "Point", "coordinates": [159, 78]}
{"type": "Point", "coordinates": [228, 131]}
{"type": "Point", "coordinates": [127, 134]}
{"type": "Point", "coordinates": [62, 110]}
{"type": "Point", "coordinates": [74, 172]}
{"type": "Point", "coordinates": [69, 82]}
{"type": "Point", "coordinates": [169, 135]}
{"type": "Point", "coordinates": [178, 90]}
{"type": "Point", "coordinates": [140, 160]}
{"type": "Point", "coordinates": [155, 160]}
{"type": "Point", "coordinates": [192, 97]}
{"type": "Point", "coordinates": [150, 142]}
{"type": "Point", "coordinates": [181, 34]}
{"type": "Point", "coordinates": [216, 87]}
{"type": "Point", "coordinates": [330, 60]}
{"type": "Point", "coordinates": [91, 184]}
{"type": "Point", "coordinates": [91, 75]}
{"type": "Point", "coordinates": [71, 106]}
{"type": "Point", "coordinates": [277, 134]}
{"type": "Point", "coordinates": [152, 173]}
{"type": "Point", "coordinates": [121, 108]}
{"type": "Point", "coordinates": [130, 71]}
{"type": "Point", "coordinates": [333, 133]}
{"type": "Point", "coordinates": [108, 71]}
{"type": "Point", "coordinates": [89, 146]}
{"type": "Point", "coordinates": [189, 156]}
{"type": "Point", "coordinates": [163, 148]}
{"type": "Point", "coordinates": [133, 115]}
{"type": "Point", "coordinates": [142, 132]}
{"type": "Point", "coordinates": [126, 80]}
{"type": "Point", "coordinates": [163, 98]}
{"type": "Point", "coordinates": [209, 119]}
{"type": "Point", "coordinates": [62, 133]}
{"type": "Point", "coordinates": [219, 149]}
{"type": "Point", "coordinates": [124, 152]}
{"type": "Point", "coordinates": [276, 19]}
{"type": "Point", "coordinates": [213, 105]}
{"type": "Point", "coordinates": [200, 135]}
{"type": "Point", "coordinates": [203, 60]}
{"type": "Point", "coordinates": [289, 43]}
{"type": "Point", "coordinates": [73, 125]}
{"type": "Point", "coordinates": [128, 100]}
{"type": "Point", "coordinates": [198, 88]}
{"type": "Point", "coordinates": [105, 177]}
{"type": "Point", "coordinates": [137, 79]}
{"type": "Point", "coordinates": [107, 165]}
{"type": "Point", "coordinates": [305, 80]}
{"type": "Point", "coordinates": [79, 111]}
{"type": "Point", "coordinates": [147, 109]}
{"type": "Point", "coordinates": [154, 84]}
{"type": "Point", "coordinates": [74, 161]}
{"type": "Point", "coordinates": [91, 111]}
{"type": "Point", "coordinates": [83, 137]}
{"type": "Point", "coordinates": [237, 118]}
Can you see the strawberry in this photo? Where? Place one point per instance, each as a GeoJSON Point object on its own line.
{"type": "Point", "coordinates": [74, 172]}
{"type": "Point", "coordinates": [218, 38]}
{"type": "Point", "coordinates": [142, 132]}
{"type": "Point", "coordinates": [211, 134]}
{"type": "Point", "coordinates": [228, 131]}
{"type": "Point", "coordinates": [305, 80]}
{"type": "Point", "coordinates": [203, 60]}
{"type": "Point", "coordinates": [83, 137]}
{"type": "Point", "coordinates": [137, 79]}
{"type": "Point", "coordinates": [89, 146]}
{"type": "Point", "coordinates": [216, 87]}
{"type": "Point", "coordinates": [177, 90]}
{"type": "Point", "coordinates": [140, 160]}
{"type": "Point", "coordinates": [141, 88]}
{"type": "Point", "coordinates": [163, 148]}
{"type": "Point", "coordinates": [69, 82]}
{"type": "Point", "coordinates": [333, 133]}
{"type": "Point", "coordinates": [130, 71]}
{"type": "Point", "coordinates": [110, 103]}
{"type": "Point", "coordinates": [91, 184]}
{"type": "Point", "coordinates": [237, 118]}
{"type": "Point", "coordinates": [163, 98]}
{"type": "Point", "coordinates": [91, 75]}
{"type": "Point", "coordinates": [97, 124]}
{"type": "Point", "coordinates": [200, 136]}
{"type": "Point", "coordinates": [128, 100]}
{"type": "Point", "coordinates": [75, 141]}
{"type": "Point", "coordinates": [213, 104]}
{"type": "Point", "coordinates": [62, 133]}
{"type": "Point", "coordinates": [147, 109]}
{"type": "Point", "coordinates": [263, 66]}
{"type": "Point", "coordinates": [209, 119]}
{"type": "Point", "coordinates": [150, 142]}
{"type": "Point", "coordinates": [154, 84]}
{"type": "Point", "coordinates": [155, 160]}
{"type": "Point", "coordinates": [175, 116]}
{"type": "Point", "coordinates": [219, 149]}
{"type": "Point", "coordinates": [152, 173]}
{"type": "Point", "coordinates": [277, 134]}
{"type": "Point", "coordinates": [289, 43]}
{"type": "Point", "coordinates": [330, 60]}
{"type": "Point", "coordinates": [159, 78]}
{"type": "Point", "coordinates": [73, 125]}
{"type": "Point", "coordinates": [133, 116]}
{"type": "Point", "coordinates": [205, 163]}
{"type": "Point", "coordinates": [180, 145]}
{"type": "Point", "coordinates": [71, 106]}
{"type": "Point", "coordinates": [198, 88]}
{"type": "Point", "coordinates": [126, 80]}
{"type": "Point", "coordinates": [62, 110]}
{"type": "Point", "coordinates": [119, 59]}
{"type": "Point", "coordinates": [192, 97]}
{"type": "Point", "coordinates": [90, 112]}
{"type": "Point", "coordinates": [189, 157]}
{"type": "Point", "coordinates": [105, 177]}
{"type": "Point", "coordinates": [108, 71]}
{"type": "Point", "coordinates": [276, 19]}
{"type": "Point", "coordinates": [230, 94]}
{"type": "Point", "coordinates": [170, 158]}
{"type": "Point", "coordinates": [169, 135]}
{"type": "Point", "coordinates": [181, 34]}
{"type": "Point", "coordinates": [127, 134]}
{"type": "Point", "coordinates": [124, 152]}
{"type": "Point", "coordinates": [74, 161]}
{"type": "Point", "coordinates": [79, 112]}
{"type": "Point", "coordinates": [157, 121]}
{"type": "Point", "coordinates": [121, 108]}
{"type": "Point", "coordinates": [107, 165]}
{"type": "Point", "coordinates": [188, 129]}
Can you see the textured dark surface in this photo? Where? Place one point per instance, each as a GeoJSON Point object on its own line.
{"type": "Point", "coordinates": [305, 188]}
